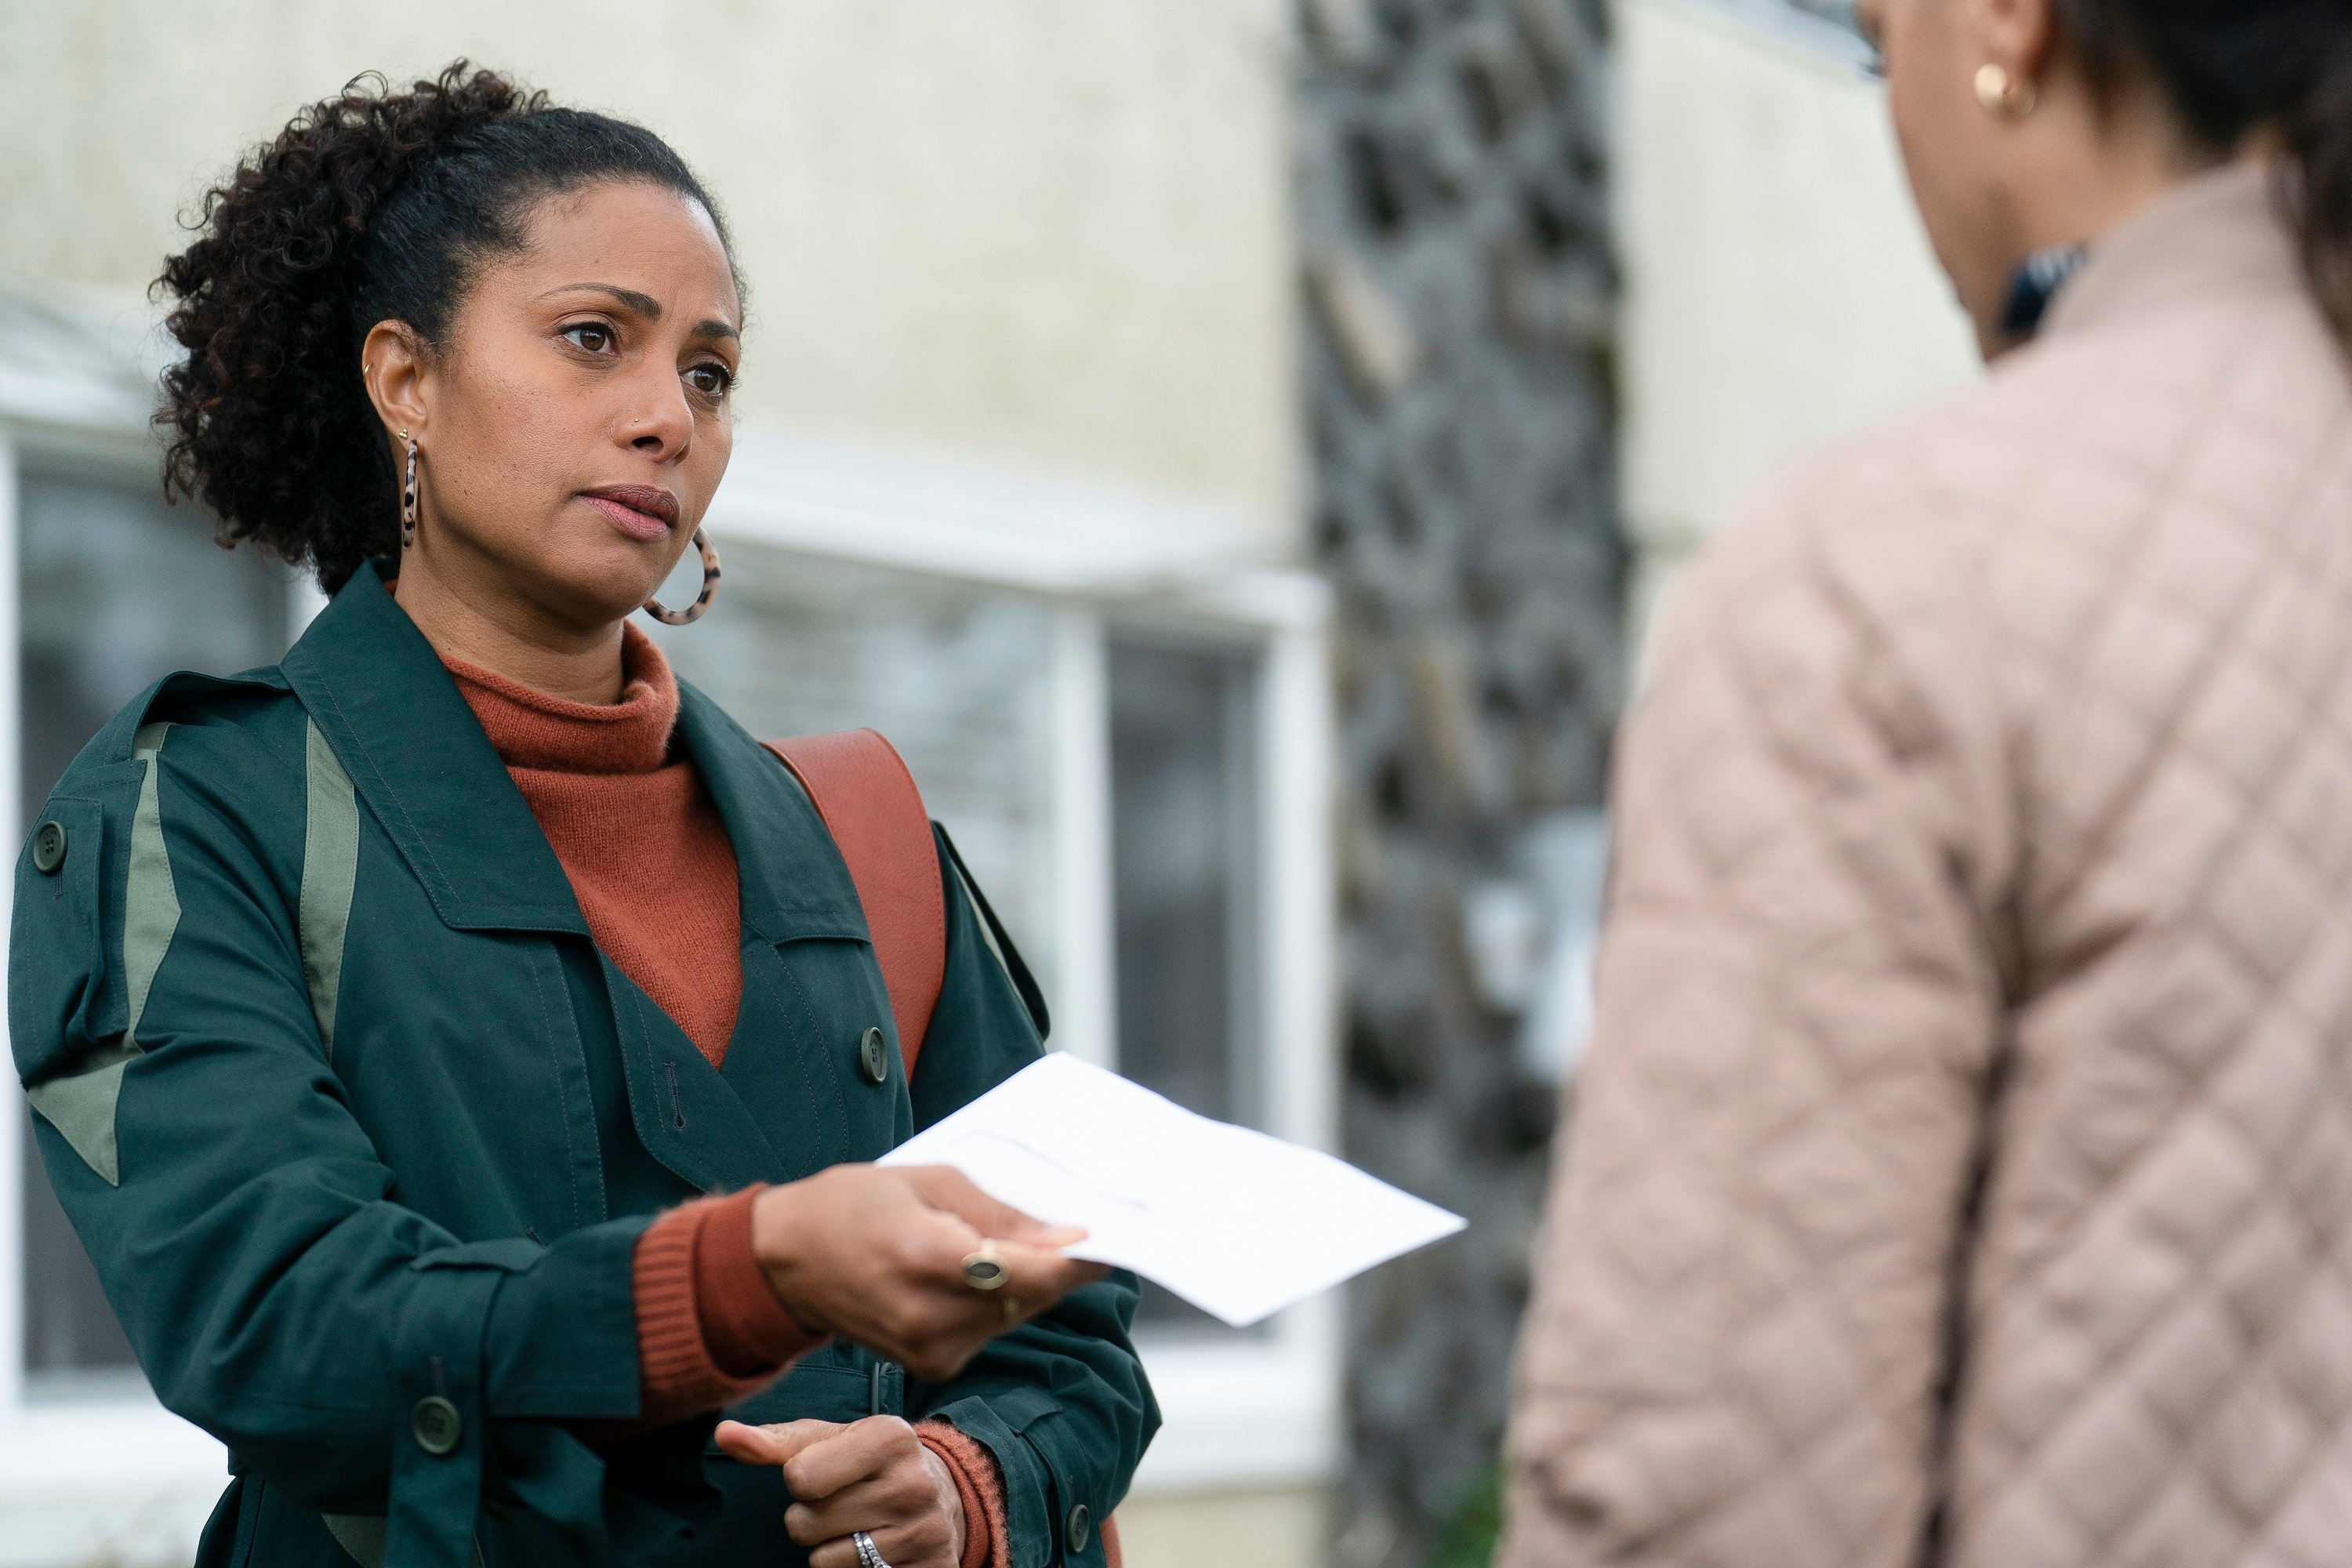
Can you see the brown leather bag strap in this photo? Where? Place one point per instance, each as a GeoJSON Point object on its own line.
{"type": "Point", "coordinates": [861, 787]}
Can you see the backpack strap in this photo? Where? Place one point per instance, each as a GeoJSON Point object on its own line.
{"type": "Point", "coordinates": [862, 789]}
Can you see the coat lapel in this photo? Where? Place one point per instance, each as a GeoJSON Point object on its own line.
{"type": "Point", "coordinates": [795, 885]}
{"type": "Point", "coordinates": [419, 759]}
{"type": "Point", "coordinates": [811, 985]}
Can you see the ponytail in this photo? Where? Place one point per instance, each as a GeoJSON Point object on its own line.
{"type": "Point", "coordinates": [2231, 69]}
{"type": "Point", "coordinates": [372, 205]}
{"type": "Point", "coordinates": [2320, 142]}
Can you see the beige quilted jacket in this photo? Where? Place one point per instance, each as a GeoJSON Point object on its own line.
{"type": "Point", "coordinates": [1962, 1174]}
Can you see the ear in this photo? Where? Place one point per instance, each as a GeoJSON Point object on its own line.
{"type": "Point", "coordinates": [2020, 36]}
{"type": "Point", "coordinates": [396, 367]}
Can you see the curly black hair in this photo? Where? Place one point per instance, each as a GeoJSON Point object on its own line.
{"type": "Point", "coordinates": [372, 205]}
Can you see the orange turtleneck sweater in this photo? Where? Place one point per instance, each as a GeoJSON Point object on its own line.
{"type": "Point", "coordinates": [650, 862]}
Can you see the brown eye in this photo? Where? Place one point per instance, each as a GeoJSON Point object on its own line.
{"type": "Point", "coordinates": [594, 336]}
{"type": "Point", "coordinates": [710, 380]}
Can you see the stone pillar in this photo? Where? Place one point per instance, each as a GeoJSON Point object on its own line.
{"type": "Point", "coordinates": [1453, 209]}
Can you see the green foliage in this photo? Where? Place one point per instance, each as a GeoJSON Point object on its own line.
{"type": "Point", "coordinates": [1476, 1526]}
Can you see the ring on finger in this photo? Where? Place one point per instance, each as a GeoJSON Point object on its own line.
{"type": "Point", "coordinates": [983, 1267]}
{"type": "Point", "coordinates": [1012, 1310]}
{"type": "Point", "coordinates": [868, 1555]}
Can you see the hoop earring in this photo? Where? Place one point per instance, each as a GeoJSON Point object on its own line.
{"type": "Point", "coordinates": [2003, 96]}
{"type": "Point", "coordinates": [408, 494]}
{"type": "Point", "coordinates": [693, 612]}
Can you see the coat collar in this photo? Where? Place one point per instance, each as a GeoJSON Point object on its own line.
{"type": "Point", "coordinates": [2219, 234]}
{"type": "Point", "coordinates": [795, 884]}
{"type": "Point", "coordinates": [419, 759]}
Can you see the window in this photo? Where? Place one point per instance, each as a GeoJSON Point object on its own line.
{"type": "Point", "coordinates": [954, 673]}
{"type": "Point", "coordinates": [115, 590]}
{"type": "Point", "coordinates": [1158, 734]}
{"type": "Point", "coordinates": [1184, 829]}
{"type": "Point", "coordinates": [1185, 849]}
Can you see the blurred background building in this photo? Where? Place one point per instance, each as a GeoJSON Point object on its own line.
{"type": "Point", "coordinates": [1231, 446]}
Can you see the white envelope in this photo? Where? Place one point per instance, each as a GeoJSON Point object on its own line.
{"type": "Point", "coordinates": [1238, 1224]}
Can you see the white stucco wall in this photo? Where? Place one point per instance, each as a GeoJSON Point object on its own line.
{"type": "Point", "coordinates": [1780, 290]}
{"type": "Point", "coordinates": [1050, 234]}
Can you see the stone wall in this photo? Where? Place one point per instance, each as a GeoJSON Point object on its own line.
{"type": "Point", "coordinates": [1452, 212]}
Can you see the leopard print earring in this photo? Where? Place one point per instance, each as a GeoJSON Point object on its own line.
{"type": "Point", "coordinates": [693, 612]}
{"type": "Point", "coordinates": [408, 494]}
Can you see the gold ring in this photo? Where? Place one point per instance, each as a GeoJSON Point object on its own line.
{"type": "Point", "coordinates": [984, 1268]}
{"type": "Point", "coordinates": [1012, 1310]}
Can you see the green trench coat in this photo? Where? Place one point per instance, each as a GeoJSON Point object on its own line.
{"type": "Point", "coordinates": [361, 1128]}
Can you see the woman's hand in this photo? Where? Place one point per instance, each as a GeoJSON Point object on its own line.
{"type": "Point", "coordinates": [873, 1475]}
{"type": "Point", "coordinates": [876, 1256]}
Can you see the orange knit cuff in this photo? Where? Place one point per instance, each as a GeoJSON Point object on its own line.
{"type": "Point", "coordinates": [745, 1327]}
{"type": "Point", "coordinates": [683, 1369]}
{"type": "Point", "coordinates": [982, 1489]}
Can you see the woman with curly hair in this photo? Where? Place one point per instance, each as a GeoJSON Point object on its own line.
{"type": "Point", "coordinates": [457, 1046]}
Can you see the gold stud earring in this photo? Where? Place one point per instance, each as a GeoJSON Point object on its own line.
{"type": "Point", "coordinates": [2003, 96]}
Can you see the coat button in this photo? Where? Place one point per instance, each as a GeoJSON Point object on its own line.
{"type": "Point", "coordinates": [1081, 1528]}
{"type": "Point", "coordinates": [874, 1056]}
{"type": "Point", "coordinates": [436, 1425]}
{"type": "Point", "coordinates": [49, 847]}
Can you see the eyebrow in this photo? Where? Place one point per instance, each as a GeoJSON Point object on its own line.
{"type": "Point", "coordinates": [644, 305]}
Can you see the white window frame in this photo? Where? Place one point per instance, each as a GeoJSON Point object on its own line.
{"type": "Point", "coordinates": [118, 1471]}
{"type": "Point", "coordinates": [1263, 1411]}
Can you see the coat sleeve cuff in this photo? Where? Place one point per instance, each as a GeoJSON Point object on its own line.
{"type": "Point", "coordinates": [982, 1490]}
{"type": "Point", "coordinates": [709, 1331]}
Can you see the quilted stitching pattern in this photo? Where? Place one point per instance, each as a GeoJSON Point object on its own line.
{"type": "Point", "coordinates": [1963, 1168]}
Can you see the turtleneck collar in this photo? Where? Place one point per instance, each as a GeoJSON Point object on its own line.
{"type": "Point", "coordinates": [532, 730]}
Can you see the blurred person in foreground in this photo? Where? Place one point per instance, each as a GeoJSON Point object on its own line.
{"type": "Point", "coordinates": [1963, 1172]}
{"type": "Point", "coordinates": [461, 1048]}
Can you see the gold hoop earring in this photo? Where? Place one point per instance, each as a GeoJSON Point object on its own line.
{"type": "Point", "coordinates": [693, 612]}
{"type": "Point", "coordinates": [408, 494]}
{"type": "Point", "coordinates": [2003, 96]}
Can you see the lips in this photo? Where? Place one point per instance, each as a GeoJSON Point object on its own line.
{"type": "Point", "coordinates": [641, 512]}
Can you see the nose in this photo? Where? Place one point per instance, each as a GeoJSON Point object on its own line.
{"type": "Point", "coordinates": [656, 420]}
